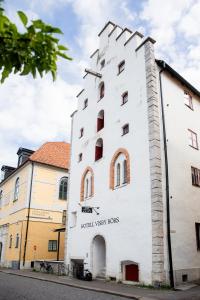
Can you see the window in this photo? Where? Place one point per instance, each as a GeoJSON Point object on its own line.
{"type": "Point", "coordinates": [188, 100]}
{"type": "Point", "coordinates": [81, 132]}
{"type": "Point", "coordinates": [73, 218]}
{"type": "Point", "coordinates": [121, 67]}
{"type": "Point", "coordinates": [80, 157]}
{"type": "Point", "coordinates": [17, 241]}
{"type": "Point", "coordinates": [102, 63]}
{"type": "Point", "coordinates": [125, 129]}
{"type": "Point", "coordinates": [85, 104]}
{"type": "Point", "coordinates": [101, 90]}
{"type": "Point", "coordinates": [99, 149]}
{"type": "Point", "coordinates": [193, 139]}
{"type": "Point", "coordinates": [52, 246]}
{"type": "Point", "coordinates": [100, 120]}
{"type": "Point", "coordinates": [63, 187]}
{"type": "Point", "coordinates": [197, 227]}
{"type": "Point", "coordinates": [195, 176]}
{"type": "Point", "coordinates": [16, 192]}
{"type": "Point", "coordinates": [125, 171]}
{"type": "Point", "coordinates": [10, 241]}
{"type": "Point", "coordinates": [64, 217]}
{"type": "Point", "coordinates": [124, 98]}
{"type": "Point", "coordinates": [118, 174]}
{"type": "Point", "coordinates": [87, 184]}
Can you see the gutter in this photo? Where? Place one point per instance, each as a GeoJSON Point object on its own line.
{"type": "Point", "coordinates": [171, 270]}
{"type": "Point", "coordinates": [28, 217]}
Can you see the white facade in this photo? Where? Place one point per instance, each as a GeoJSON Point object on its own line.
{"type": "Point", "coordinates": [127, 234]}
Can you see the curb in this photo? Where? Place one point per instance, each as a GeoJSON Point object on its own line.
{"type": "Point", "coordinates": [110, 292]}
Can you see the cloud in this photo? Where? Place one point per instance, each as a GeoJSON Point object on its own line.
{"type": "Point", "coordinates": [33, 112]}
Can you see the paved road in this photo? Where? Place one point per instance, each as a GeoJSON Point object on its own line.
{"type": "Point", "coordinates": [19, 288]}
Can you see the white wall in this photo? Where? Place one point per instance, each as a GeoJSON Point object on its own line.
{"type": "Point", "coordinates": [131, 237]}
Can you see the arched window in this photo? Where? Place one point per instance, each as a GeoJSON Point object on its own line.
{"type": "Point", "coordinates": [99, 149]}
{"type": "Point", "coordinates": [16, 192]}
{"type": "Point", "coordinates": [63, 187]}
{"type": "Point", "coordinates": [101, 90]}
{"type": "Point", "coordinates": [17, 241]}
{"type": "Point", "coordinates": [120, 168]}
{"type": "Point", "coordinates": [10, 241]}
{"type": "Point", "coordinates": [100, 120]}
{"type": "Point", "coordinates": [118, 174]}
{"type": "Point", "coordinates": [87, 184]}
{"type": "Point", "coordinates": [125, 171]}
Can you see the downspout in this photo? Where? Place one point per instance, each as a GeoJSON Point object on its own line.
{"type": "Point", "coordinates": [20, 249]}
{"type": "Point", "coordinates": [28, 217]}
{"type": "Point", "coordinates": [171, 271]}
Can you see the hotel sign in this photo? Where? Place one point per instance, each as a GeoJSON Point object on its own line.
{"type": "Point", "coordinates": [109, 221]}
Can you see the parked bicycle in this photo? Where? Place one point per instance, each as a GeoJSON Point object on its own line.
{"type": "Point", "coordinates": [45, 266]}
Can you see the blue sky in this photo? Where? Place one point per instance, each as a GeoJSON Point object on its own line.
{"type": "Point", "coordinates": [35, 111]}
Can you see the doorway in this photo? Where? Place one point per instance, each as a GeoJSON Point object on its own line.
{"type": "Point", "coordinates": [99, 256]}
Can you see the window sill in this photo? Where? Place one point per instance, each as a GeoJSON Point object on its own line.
{"type": "Point", "coordinates": [194, 147]}
{"type": "Point", "coordinates": [189, 107]}
{"type": "Point", "coordinates": [15, 200]}
{"type": "Point", "coordinates": [120, 186]}
{"type": "Point", "coordinates": [88, 198]}
{"type": "Point", "coordinates": [62, 199]}
{"type": "Point", "coordinates": [99, 159]}
{"type": "Point", "coordinates": [122, 104]}
{"type": "Point", "coordinates": [125, 133]}
{"type": "Point", "coordinates": [52, 250]}
{"type": "Point", "coordinates": [120, 72]}
{"type": "Point", "coordinates": [100, 99]}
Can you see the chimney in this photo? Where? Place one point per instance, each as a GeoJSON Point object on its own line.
{"type": "Point", "coordinates": [6, 171]}
{"type": "Point", "coordinates": [23, 155]}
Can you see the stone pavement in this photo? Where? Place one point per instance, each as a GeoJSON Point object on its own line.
{"type": "Point", "coordinates": [123, 290]}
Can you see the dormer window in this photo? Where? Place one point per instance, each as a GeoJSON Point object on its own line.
{"type": "Point", "coordinates": [85, 104]}
{"type": "Point", "coordinates": [188, 100]}
{"type": "Point", "coordinates": [121, 66]}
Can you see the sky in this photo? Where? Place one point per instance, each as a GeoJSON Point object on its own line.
{"type": "Point", "coordinates": [33, 112]}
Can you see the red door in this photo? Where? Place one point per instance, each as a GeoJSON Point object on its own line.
{"type": "Point", "coordinates": [131, 273]}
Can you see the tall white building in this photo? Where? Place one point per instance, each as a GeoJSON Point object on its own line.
{"type": "Point", "coordinates": [135, 161]}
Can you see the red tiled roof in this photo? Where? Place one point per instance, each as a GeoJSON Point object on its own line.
{"type": "Point", "coordinates": [53, 153]}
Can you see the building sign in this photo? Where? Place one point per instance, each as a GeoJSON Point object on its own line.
{"type": "Point", "coordinates": [86, 209]}
{"type": "Point", "coordinates": [109, 221]}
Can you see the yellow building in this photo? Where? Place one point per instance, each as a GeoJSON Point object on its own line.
{"type": "Point", "coordinates": [33, 206]}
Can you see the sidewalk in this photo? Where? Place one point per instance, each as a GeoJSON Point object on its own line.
{"type": "Point", "coordinates": [126, 291]}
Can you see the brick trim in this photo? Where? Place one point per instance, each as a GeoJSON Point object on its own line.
{"type": "Point", "coordinates": [88, 169]}
{"type": "Point", "coordinates": [112, 166]}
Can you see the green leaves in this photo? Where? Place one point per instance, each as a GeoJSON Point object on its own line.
{"type": "Point", "coordinates": [23, 17]}
{"type": "Point", "coordinates": [36, 51]}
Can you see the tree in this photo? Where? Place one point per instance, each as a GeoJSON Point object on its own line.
{"type": "Point", "coordinates": [35, 50]}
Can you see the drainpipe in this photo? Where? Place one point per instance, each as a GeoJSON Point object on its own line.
{"type": "Point", "coordinates": [171, 271]}
{"type": "Point", "coordinates": [28, 217]}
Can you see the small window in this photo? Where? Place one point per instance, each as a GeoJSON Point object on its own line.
{"type": "Point", "coordinates": [81, 132]}
{"type": "Point", "coordinates": [188, 100]}
{"type": "Point", "coordinates": [64, 217]}
{"type": "Point", "coordinates": [101, 90]}
{"type": "Point", "coordinates": [102, 63]}
{"type": "Point", "coordinates": [80, 157]}
{"type": "Point", "coordinates": [125, 129]}
{"type": "Point", "coordinates": [17, 241]}
{"type": "Point", "coordinates": [99, 149]}
{"type": "Point", "coordinates": [118, 174]}
{"type": "Point", "coordinates": [195, 176]}
{"type": "Point", "coordinates": [16, 192]}
{"type": "Point", "coordinates": [90, 187]}
{"type": "Point", "coordinates": [124, 98]}
{"type": "Point", "coordinates": [197, 227]}
{"type": "Point", "coordinates": [100, 120]}
{"type": "Point", "coordinates": [121, 67]}
{"type": "Point", "coordinates": [52, 246]}
{"type": "Point", "coordinates": [63, 187]}
{"type": "Point", "coordinates": [193, 139]}
{"type": "Point", "coordinates": [10, 241]}
{"type": "Point", "coordinates": [86, 187]}
{"type": "Point", "coordinates": [73, 218]}
{"type": "Point", "coordinates": [85, 104]}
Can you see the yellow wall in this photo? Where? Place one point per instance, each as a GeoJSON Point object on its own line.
{"type": "Point", "coordinates": [45, 213]}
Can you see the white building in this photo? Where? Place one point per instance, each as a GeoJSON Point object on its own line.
{"type": "Point", "coordinates": [135, 160]}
